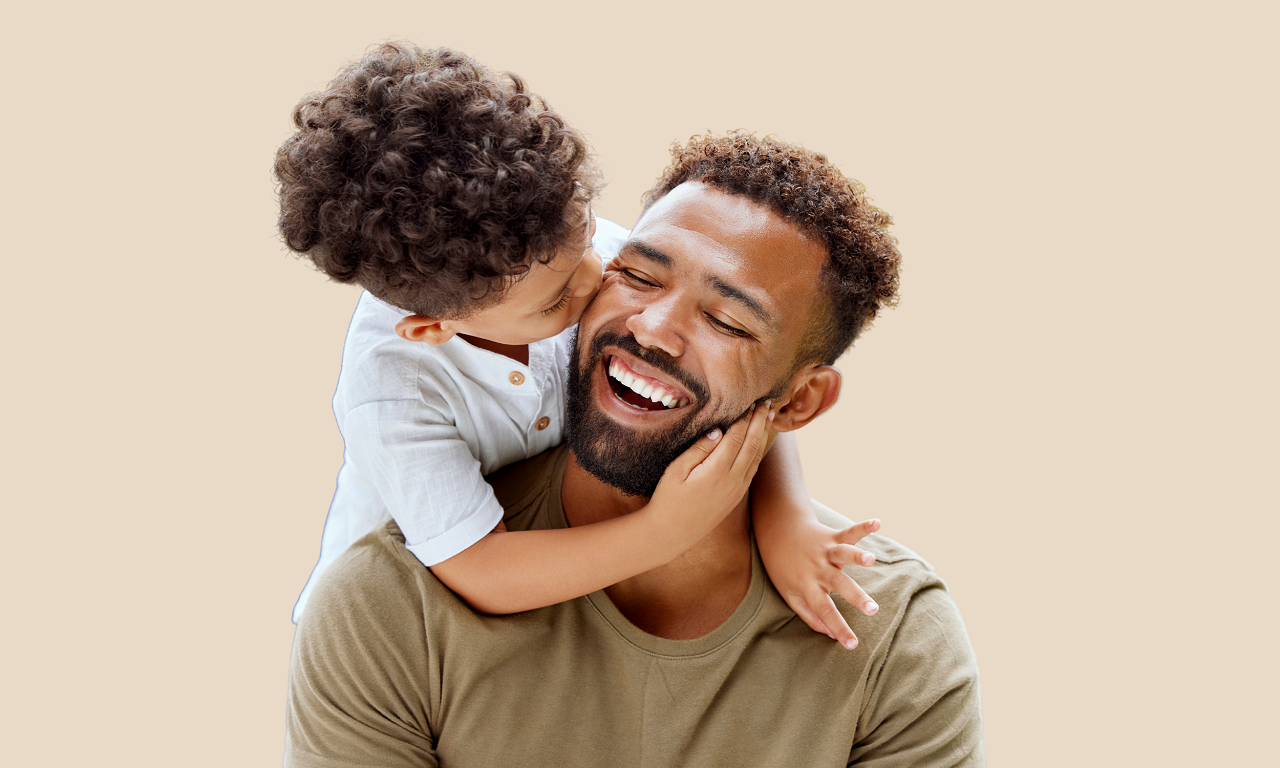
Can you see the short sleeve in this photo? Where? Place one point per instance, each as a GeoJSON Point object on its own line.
{"type": "Point", "coordinates": [923, 708]}
{"type": "Point", "coordinates": [358, 684]}
{"type": "Point", "coordinates": [425, 473]}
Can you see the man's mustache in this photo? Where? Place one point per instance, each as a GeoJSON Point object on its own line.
{"type": "Point", "coordinates": [659, 360]}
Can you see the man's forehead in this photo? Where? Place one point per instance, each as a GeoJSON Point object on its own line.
{"type": "Point", "coordinates": [697, 225]}
{"type": "Point", "coordinates": [716, 214]}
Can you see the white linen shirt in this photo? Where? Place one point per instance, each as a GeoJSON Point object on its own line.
{"type": "Point", "coordinates": [422, 424]}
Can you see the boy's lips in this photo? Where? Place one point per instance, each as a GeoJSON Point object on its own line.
{"type": "Point", "coordinates": [641, 387]}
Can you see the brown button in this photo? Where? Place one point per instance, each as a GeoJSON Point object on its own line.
{"type": "Point", "coordinates": [516, 378]}
{"type": "Point", "coordinates": [542, 423]}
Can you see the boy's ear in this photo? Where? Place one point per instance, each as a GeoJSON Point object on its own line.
{"type": "Point", "coordinates": [423, 328]}
{"type": "Point", "coordinates": [811, 392]}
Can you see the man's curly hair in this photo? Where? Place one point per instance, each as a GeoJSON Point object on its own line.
{"type": "Point", "coordinates": [429, 180]}
{"type": "Point", "coordinates": [861, 273]}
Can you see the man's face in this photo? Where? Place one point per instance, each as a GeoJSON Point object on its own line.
{"type": "Point", "coordinates": [703, 309]}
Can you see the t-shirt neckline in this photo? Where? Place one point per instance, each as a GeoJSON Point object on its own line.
{"type": "Point", "coordinates": [722, 635]}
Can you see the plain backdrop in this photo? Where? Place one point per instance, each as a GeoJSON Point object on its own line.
{"type": "Point", "coordinates": [1072, 414]}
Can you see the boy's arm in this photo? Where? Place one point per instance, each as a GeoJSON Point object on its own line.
{"type": "Point", "coordinates": [804, 558]}
{"type": "Point", "coordinates": [512, 571]}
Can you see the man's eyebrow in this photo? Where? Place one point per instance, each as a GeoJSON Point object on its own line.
{"type": "Point", "coordinates": [649, 252]}
{"type": "Point", "coordinates": [736, 294]}
{"type": "Point", "coordinates": [731, 292]}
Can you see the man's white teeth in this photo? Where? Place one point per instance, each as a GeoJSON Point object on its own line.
{"type": "Point", "coordinates": [646, 389]}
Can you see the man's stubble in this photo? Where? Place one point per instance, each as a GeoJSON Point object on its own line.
{"type": "Point", "coordinates": [631, 462]}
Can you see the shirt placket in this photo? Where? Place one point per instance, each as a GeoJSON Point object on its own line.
{"type": "Point", "coordinates": [543, 431]}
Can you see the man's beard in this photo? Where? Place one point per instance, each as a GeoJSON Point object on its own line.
{"type": "Point", "coordinates": [630, 462]}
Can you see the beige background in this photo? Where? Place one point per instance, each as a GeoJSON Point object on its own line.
{"type": "Point", "coordinates": [1072, 414]}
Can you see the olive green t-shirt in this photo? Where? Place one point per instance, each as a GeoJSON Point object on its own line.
{"type": "Point", "coordinates": [390, 668]}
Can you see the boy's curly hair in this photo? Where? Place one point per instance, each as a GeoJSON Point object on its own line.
{"type": "Point", "coordinates": [430, 181]}
{"type": "Point", "coordinates": [861, 273]}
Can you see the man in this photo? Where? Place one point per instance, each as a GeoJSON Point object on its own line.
{"type": "Point", "coordinates": [752, 268]}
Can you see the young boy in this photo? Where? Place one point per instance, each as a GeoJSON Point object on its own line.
{"type": "Point", "coordinates": [461, 203]}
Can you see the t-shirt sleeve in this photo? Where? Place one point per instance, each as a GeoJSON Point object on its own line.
{"type": "Point", "coordinates": [425, 473]}
{"type": "Point", "coordinates": [923, 708]}
{"type": "Point", "coordinates": [358, 685]}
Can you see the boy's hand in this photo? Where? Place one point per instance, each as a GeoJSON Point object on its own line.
{"type": "Point", "coordinates": [806, 567]}
{"type": "Point", "coordinates": [709, 479]}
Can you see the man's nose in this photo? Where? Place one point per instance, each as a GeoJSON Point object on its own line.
{"type": "Point", "coordinates": [656, 326]}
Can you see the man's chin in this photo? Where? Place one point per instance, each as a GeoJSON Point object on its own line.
{"type": "Point", "coordinates": [625, 456]}
{"type": "Point", "coordinates": [620, 462]}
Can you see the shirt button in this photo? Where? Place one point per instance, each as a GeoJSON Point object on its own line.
{"type": "Point", "coordinates": [516, 378]}
{"type": "Point", "coordinates": [542, 423]}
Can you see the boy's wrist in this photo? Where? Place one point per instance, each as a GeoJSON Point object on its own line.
{"type": "Point", "coordinates": [666, 529]}
{"type": "Point", "coordinates": [780, 518]}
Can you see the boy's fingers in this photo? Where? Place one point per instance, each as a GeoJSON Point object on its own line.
{"type": "Point", "coordinates": [847, 588]}
{"type": "Point", "coordinates": [736, 435]}
{"type": "Point", "coordinates": [695, 455]}
{"type": "Point", "coordinates": [809, 617]}
{"type": "Point", "coordinates": [730, 445]}
{"type": "Point", "coordinates": [835, 623]}
{"type": "Point", "coordinates": [847, 553]}
{"type": "Point", "coordinates": [754, 441]}
{"type": "Point", "coordinates": [856, 532]}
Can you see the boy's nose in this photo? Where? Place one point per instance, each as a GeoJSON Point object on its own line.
{"type": "Point", "coordinates": [590, 274]}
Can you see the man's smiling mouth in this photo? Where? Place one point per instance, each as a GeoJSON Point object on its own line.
{"type": "Point", "coordinates": [641, 392]}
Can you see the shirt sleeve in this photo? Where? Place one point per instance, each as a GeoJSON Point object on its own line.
{"type": "Point", "coordinates": [923, 709]}
{"type": "Point", "coordinates": [426, 474]}
{"type": "Point", "coordinates": [358, 690]}
{"type": "Point", "coordinates": [608, 239]}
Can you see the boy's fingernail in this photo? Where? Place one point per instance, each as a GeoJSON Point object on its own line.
{"type": "Point", "coordinates": [851, 644]}
{"type": "Point", "coordinates": [871, 607]}
{"type": "Point", "coordinates": [713, 434]}
{"type": "Point", "coordinates": [771, 414]}
{"type": "Point", "coordinates": [867, 559]}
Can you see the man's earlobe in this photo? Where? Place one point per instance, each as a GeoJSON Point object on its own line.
{"type": "Point", "coordinates": [423, 328]}
{"type": "Point", "coordinates": [812, 392]}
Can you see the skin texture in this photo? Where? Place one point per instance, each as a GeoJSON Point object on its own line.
{"type": "Point", "coordinates": [717, 286]}
{"type": "Point", "coordinates": [547, 299]}
{"type": "Point", "coordinates": [734, 313]}
{"type": "Point", "coordinates": [508, 572]}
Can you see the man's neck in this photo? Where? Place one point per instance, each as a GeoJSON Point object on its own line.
{"type": "Point", "coordinates": [686, 598]}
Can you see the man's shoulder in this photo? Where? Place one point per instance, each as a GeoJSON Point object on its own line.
{"type": "Point", "coordinates": [377, 569]}
{"type": "Point", "coordinates": [922, 675]}
{"type": "Point", "coordinates": [524, 488]}
{"type": "Point", "coordinates": [892, 558]}
{"type": "Point", "coordinates": [916, 610]}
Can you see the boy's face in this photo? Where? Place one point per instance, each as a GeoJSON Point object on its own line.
{"type": "Point", "coordinates": [547, 300]}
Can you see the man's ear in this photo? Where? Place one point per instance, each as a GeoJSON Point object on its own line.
{"type": "Point", "coordinates": [811, 392]}
{"type": "Point", "coordinates": [423, 328]}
